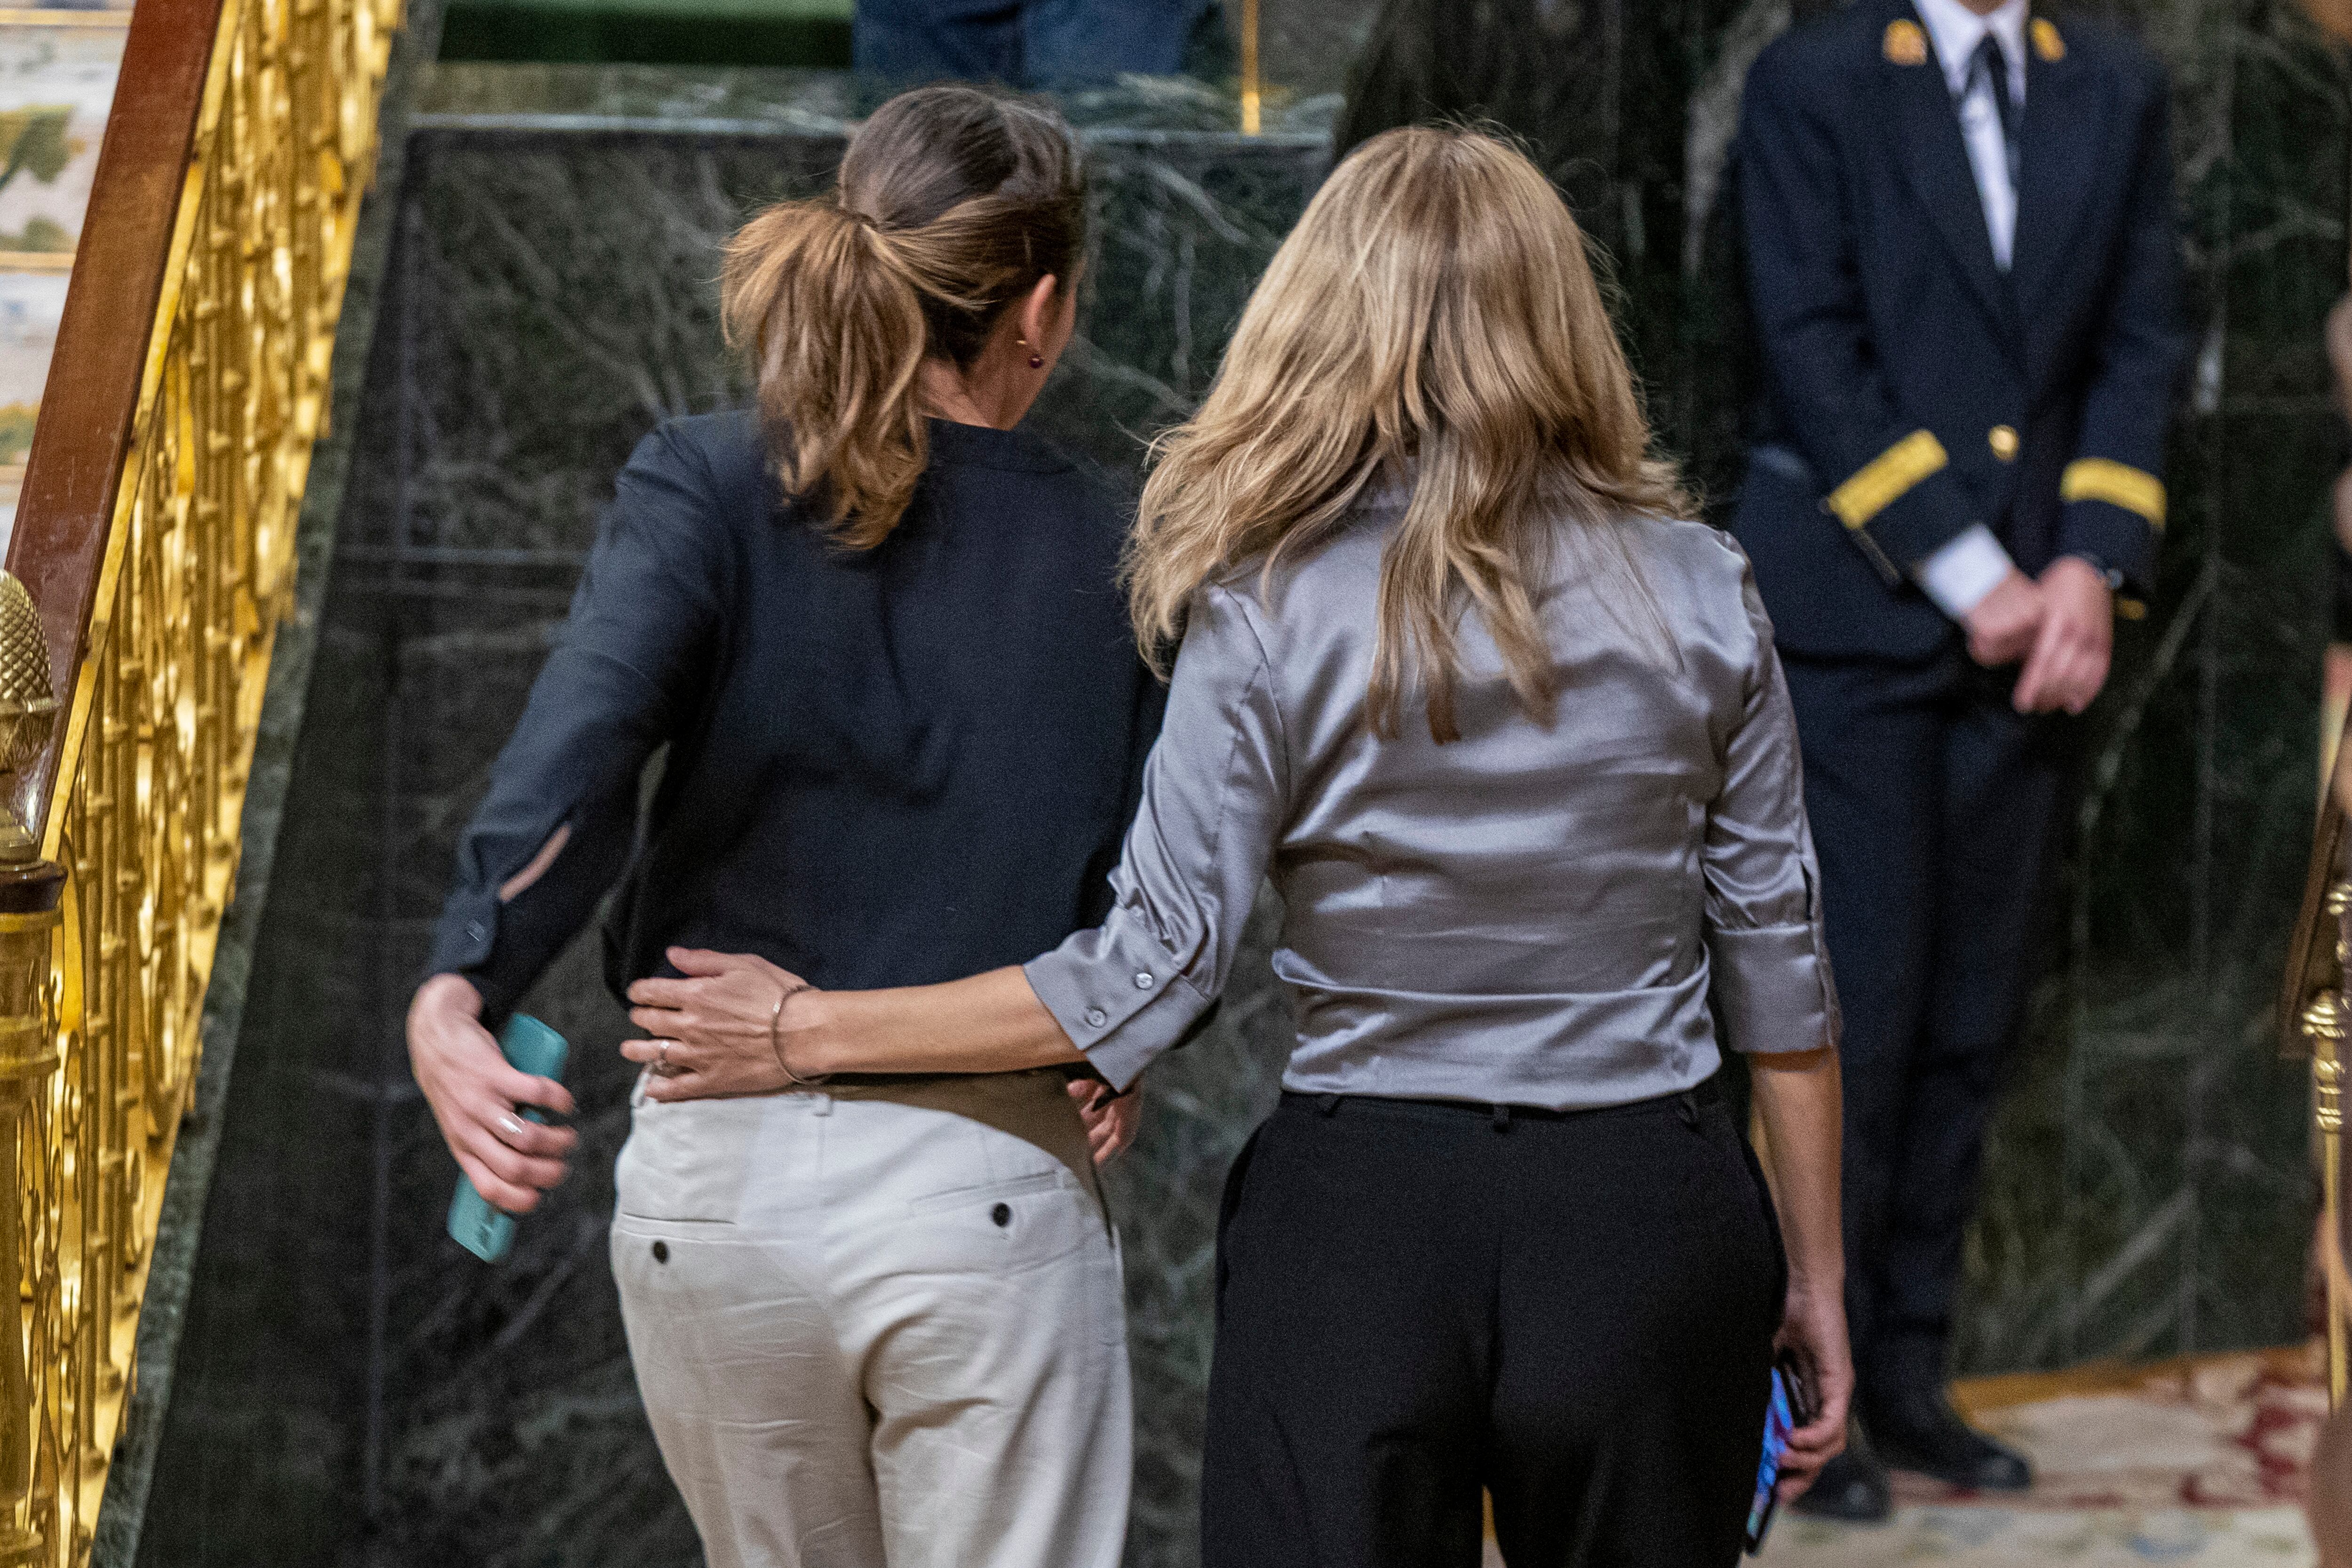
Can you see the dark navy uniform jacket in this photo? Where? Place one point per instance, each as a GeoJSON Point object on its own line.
{"type": "Point", "coordinates": [1912, 387]}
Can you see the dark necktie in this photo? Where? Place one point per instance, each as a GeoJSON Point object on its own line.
{"type": "Point", "coordinates": [1991, 63]}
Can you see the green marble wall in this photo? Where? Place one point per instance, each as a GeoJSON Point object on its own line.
{"type": "Point", "coordinates": [549, 301]}
{"type": "Point", "coordinates": [2148, 1189]}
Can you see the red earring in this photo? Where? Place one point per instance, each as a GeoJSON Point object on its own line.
{"type": "Point", "coordinates": [1036, 361]}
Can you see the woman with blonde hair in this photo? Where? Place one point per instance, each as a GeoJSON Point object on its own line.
{"type": "Point", "coordinates": [878, 632]}
{"type": "Point", "coordinates": [1512, 741]}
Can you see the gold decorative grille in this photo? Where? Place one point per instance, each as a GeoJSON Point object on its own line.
{"type": "Point", "coordinates": [99, 1001]}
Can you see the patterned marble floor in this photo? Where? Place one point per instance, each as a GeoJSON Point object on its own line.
{"type": "Point", "coordinates": [2200, 1462]}
{"type": "Point", "coordinates": [1981, 1537]}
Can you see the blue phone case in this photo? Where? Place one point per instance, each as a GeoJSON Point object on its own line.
{"type": "Point", "coordinates": [1779, 1420]}
{"type": "Point", "coordinates": [530, 1047]}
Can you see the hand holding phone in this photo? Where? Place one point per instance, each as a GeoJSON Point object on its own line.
{"type": "Point", "coordinates": [1812, 1340]}
{"type": "Point", "coordinates": [532, 1048]}
{"type": "Point", "coordinates": [474, 1092]}
{"type": "Point", "coordinates": [1791, 1406]}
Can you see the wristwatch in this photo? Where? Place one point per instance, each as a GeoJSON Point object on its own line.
{"type": "Point", "coordinates": [2115, 579]}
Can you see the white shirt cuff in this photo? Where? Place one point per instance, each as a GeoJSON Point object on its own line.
{"type": "Point", "coordinates": [1964, 571]}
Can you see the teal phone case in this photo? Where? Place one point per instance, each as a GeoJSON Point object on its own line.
{"type": "Point", "coordinates": [530, 1047]}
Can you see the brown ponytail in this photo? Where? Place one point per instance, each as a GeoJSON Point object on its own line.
{"type": "Point", "coordinates": [953, 203]}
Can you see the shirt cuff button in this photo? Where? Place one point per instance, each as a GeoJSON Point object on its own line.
{"type": "Point", "coordinates": [1095, 1017]}
{"type": "Point", "coordinates": [1143, 982]}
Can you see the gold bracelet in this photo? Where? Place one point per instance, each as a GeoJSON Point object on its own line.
{"type": "Point", "coordinates": [776, 1038]}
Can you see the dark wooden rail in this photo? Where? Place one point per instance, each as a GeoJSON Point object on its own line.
{"type": "Point", "coordinates": [91, 402]}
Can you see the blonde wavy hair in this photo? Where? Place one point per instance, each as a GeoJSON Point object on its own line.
{"type": "Point", "coordinates": [953, 203]}
{"type": "Point", "coordinates": [1433, 319]}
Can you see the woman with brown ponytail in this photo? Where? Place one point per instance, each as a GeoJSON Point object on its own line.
{"type": "Point", "coordinates": [878, 632]}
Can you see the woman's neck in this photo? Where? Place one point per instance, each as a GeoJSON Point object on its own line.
{"type": "Point", "coordinates": [948, 393]}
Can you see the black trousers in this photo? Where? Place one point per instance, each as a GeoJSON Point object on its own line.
{"type": "Point", "coordinates": [1416, 1301]}
{"type": "Point", "coordinates": [1935, 810]}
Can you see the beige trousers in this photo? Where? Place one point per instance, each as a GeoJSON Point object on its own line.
{"type": "Point", "coordinates": [874, 1336]}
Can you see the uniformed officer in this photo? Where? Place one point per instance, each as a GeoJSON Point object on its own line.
{"type": "Point", "coordinates": [1963, 263]}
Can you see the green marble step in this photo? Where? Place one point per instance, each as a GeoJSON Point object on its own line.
{"type": "Point", "coordinates": [809, 32]}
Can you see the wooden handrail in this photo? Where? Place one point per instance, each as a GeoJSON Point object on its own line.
{"type": "Point", "coordinates": [107, 343]}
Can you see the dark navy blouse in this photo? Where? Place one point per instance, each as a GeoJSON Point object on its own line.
{"type": "Point", "coordinates": [883, 768]}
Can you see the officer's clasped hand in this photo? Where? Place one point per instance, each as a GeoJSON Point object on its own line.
{"type": "Point", "coordinates": [2071, 653]}
{"type": "Point", "coordinates": [2002, 627]}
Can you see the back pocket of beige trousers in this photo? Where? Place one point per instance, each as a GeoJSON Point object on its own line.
{"type": "Point", "coordinates": [987, 1193]}
{"type": "Point", "coordinates": [688, 1160]}
{"type": "Point", "coordinates": [1002, 1227]}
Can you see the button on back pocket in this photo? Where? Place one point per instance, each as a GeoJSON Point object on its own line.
{"type": "Point", "coordinates": [1005, 1228]}
{"type": "Point", "coordinates": [988, 1196]}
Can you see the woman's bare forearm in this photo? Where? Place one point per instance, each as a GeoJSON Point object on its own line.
{"type": "Point", "coordinates": [1797, 1095]}
{"type": "Point", "coordinates": [989, 1023]}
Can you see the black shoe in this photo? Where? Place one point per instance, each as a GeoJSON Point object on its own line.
{"type": "Point", "coordinates": [1852, 1487]}
{"type": "Point", "coordinates": [1917, 1429]}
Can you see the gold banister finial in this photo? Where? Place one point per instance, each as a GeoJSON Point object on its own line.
{"type": "Point", "coordinates": [29, 1045]}
{"type": "Point", "coordinates": [2323, 1017]}
{"type": "Point", "coordinates": [2324, 1021]}
{"type": "Point", "coordinates": [28, 709]}
{"type": "Point", "coordinates": [28, 1054]}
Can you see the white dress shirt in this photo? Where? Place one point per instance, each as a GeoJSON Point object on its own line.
{"type": "Point", "coordinates": [1958, 575]}
{"type": "Point", "coordinates": [1957, 31]}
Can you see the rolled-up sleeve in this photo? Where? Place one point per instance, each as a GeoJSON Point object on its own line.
{"type": "Point", "coordinates": [1768, 965]}
{"type": "Point", "coordinates": [1213, 798]}
{"type": "Point", "coordinates": [628, 668]}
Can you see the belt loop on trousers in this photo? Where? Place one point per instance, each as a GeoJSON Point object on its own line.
{"type": "Point", "coordinates": [1502, 1119]}
{"type": "Point", "coordinates": [1328, 1104]}
{"type": "Point", "coordinates": [1688, 1101]}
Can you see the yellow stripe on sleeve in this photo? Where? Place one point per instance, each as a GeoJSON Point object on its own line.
{"type": "Point", "coordinates": [2118, 484]}
{"type": "Point", "coordinates": [1883, 481]}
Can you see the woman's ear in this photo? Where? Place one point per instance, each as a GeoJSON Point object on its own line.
{"type": "Point", "coordinates": [1037, 314]}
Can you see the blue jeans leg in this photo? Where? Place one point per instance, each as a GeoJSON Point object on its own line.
{"type": "Point", "coordinates": [1076, 43]}
{"type": "Point", "coordinates": [915, 41]}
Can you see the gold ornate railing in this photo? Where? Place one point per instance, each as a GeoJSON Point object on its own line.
{"type": "Point", "coordinates": [155, 533]}
{"type": "Point", "coordinates": [2315, 1017]}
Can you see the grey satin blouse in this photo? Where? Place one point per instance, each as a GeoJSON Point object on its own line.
{"type": "Point", "coordinates": [1525, 916]}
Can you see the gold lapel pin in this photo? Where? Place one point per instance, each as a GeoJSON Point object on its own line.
{"type": "Point", "coordinates": [1905, 44]}
{"type": "Point", "coordinates": [2046, 41]}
